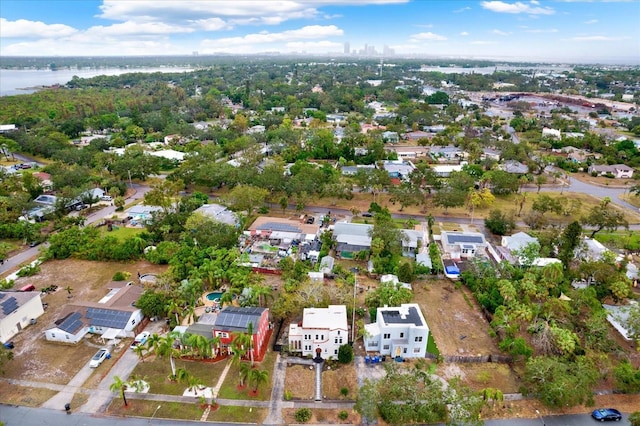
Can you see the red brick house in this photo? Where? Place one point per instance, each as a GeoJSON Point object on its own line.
{"type": "Point", "coordinates": [234, 320]}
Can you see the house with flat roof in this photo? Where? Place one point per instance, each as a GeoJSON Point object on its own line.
{"type": "Point", "coordinates": [462, 244]}
{"type": "Point", "coordinates": [321, 329]}
{"type": "Point", "coordinates": [398, 331]}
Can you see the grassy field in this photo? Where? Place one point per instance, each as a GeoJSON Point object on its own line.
{"type": "Point", "coordinates": [230, 390]}
{"type": "Point", "coordinates": [121, 232]}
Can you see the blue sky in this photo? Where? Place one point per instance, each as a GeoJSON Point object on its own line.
{"type": "Point", "coordinates": [556, 31]}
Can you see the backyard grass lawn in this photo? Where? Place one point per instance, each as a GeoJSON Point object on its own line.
{"type": "Point", "coordinates": [143, 408]}
{"type": "Point", "coordinates": [229, 413]}
{"type": "Point", "coordinates": [122, 232]}
{"type": "Point", "coordinates": [229, 389]}
{"type": "Point", "coordinates": [22, 395]}
{"type": "Point", "coordinates": [156, 371]}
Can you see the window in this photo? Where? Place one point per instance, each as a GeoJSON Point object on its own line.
{"type": "Point", "coordinates": [340, 341]}
{"type": "Point", "coordinates": [416, 350]}
{"type": "Point", "coordinates": [404, 351]}
{"type": "Point", "coordinates": [336, 341]}
{"type": "Point", "coordinates": [418, 338]}
{"type": "Point", "coordinates": [322, 337]}
{"type": "Point", "coordinates": [53, 335]}
{"type": "Point", "coordinates": [385, 347]}
{"type": "Point", "coordinates": [338, 332]}
{"type": "Point", "coordinates": [335, 352]}
{"type": "Point", "coordinates": [373, 343]}
{"type": "Point", "coordinates": [67, 336]}
{"type": "Point", "coordinates": [401, 335]}
{"type": "Point", "coordinates": [316, 337]}
{"type": "Point", "coordinates": [386, 336]}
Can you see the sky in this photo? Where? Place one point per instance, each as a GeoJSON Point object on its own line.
{"type": "Point", "coordinates": [595, 31]}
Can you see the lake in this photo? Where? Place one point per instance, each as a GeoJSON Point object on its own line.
{"type": "Point", "coordinates": [22, 82]}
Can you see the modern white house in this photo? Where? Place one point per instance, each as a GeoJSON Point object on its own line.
{"type": "Point", "coordinates": [18, 309]}
{"type": "Point", "coordinates": [114, 316]}
{"type": "Point", "coordinates": [462, 244]}
{"type": "Point", "coordinates": [398, 332]}
{"type": "Point", "coordinates": [323, 329]}
{"type": "Point", "coordinates": [618, 171]}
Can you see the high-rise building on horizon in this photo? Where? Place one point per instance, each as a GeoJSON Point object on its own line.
{"type": "Point", "coordinates": [347, 48]}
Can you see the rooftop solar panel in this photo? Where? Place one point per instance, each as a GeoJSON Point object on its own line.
{"type": "Point", "coordinates": [9, 305]}
{"type": "Point", "coordinates": [461, 238]}
{"type": "Point", "coordinates": [108, 318]}
{"type": "Point", "coordinates": [2, 295]}
{"type": "Point", "coordinates": [71, 323]}
{"type": "Point", "coordinates": [277, 226]}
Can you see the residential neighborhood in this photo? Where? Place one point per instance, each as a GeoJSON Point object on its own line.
{"type": "Point", "coordinates": [294, 243]}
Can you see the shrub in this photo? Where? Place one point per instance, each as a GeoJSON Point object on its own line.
{"type": "Point", "coordinates": [121, 276]}
{"type": "Point", "coordinates": [303, 415]}
{"type": "Point", "coordinates": [287, 395]}
{"type": "Point", "coordinates": [344, 391]}
{"type": "Point", "coordinates": [342, 415]}
{"type": "Point", "coordinates": [345, 354]}
{"type": "Point", "coordinates": [29, 270]}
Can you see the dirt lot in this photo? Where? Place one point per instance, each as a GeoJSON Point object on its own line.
{"type": "Point", "coordinates": [37, 359]}
{"type": "Point", "coordinates": [300, 381]}
{"type": "Point", "coordinates": [455, 322]}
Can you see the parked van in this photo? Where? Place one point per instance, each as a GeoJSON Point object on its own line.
{"type": "Point", "coordinates": [28, 287]}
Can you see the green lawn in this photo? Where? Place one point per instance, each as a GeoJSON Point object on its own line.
{"type": "Point", "coordinates": [229, 389]}
{"type": "Point", "coordinates": [122, 232]}
{"type": "Point", "coordinates": [156, 372]}
{"type": "Point", "coordinates": [229, 413]}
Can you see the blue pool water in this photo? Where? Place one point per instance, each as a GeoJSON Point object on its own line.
{"type": "Point", "coordinates": [215, 296]}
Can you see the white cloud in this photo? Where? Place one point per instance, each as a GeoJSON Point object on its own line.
{"type": "Point", "coordinates": [464, 33]}
{"type": "Point", "coordinates": [427, 36]}
{"type": "Point", "coordinates": [311, 46]}
{"type": "Point", "coordinates": [500, 33]}
{"type": "Point", "coordinates": [247, 11]}
{"type": "Point", "coordinates": [591, 22]}
{"type": "Point", "coordinates": [518, 7]}
{"type": "Point", "coordinates": [308, 32]}
{"type": "Point", "coordinates": [23, 28]}
{"type": "Point", "coordinates": [134, 28]}
{"type": "Point", "coordinates": [483, 42]}
{"type": "Point", "coordinates": [597, 38]}
{"type": "Point", "coordinates": [463, 9]}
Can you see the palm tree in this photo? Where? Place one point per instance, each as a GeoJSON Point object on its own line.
{"type": "Point", "coordinates": [260, 292]}
{"type": "Point", "coordinates": [259, 377]}
{"type": "Point", "coordinates": [249, 339]}
{"type": "Point", "coordinates": [165, 349]}
{"type": "Point", "coordinates": [182, 375]}
{"type": "Point", "coordinates": [194, 383]}
{"type": "Point", "coordinates": [173, 308]}
{"type": "Point", "coordinates": [152, 342]}
{"type": "Point", "coordinates": [69, 290]}
{"type": "Point", "coordinates": [139, 350]}
{"type": "Point", "coordinates": [119, 385]}
{"type": "Point", "coordinates": [243, 371]}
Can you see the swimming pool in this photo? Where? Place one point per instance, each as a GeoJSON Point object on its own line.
{"type": "Point", "coordinates": [214, 297]}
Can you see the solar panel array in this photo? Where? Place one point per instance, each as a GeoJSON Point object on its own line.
{"type": "Point", "coordinates": [277, 226]}
{"type": "Point", "coordinates": [1, 295]}
{"type": "Point", "coordinates": [71, 323]}
{"type": "Point", "coordinates": [9, 305]}
{"type": "Point", "coordinates": [461, 238]}
{"type": "Point", "coordinates": [108, 318]}
{"type": "Point", "coordinates": [233, 318]}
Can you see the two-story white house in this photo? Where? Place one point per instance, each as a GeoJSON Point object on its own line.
{"type": "Point", "coordinates": [398, 332]}
{"type": "Point", "coordinates": [321, 328]}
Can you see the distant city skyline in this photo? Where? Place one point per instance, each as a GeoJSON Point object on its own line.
{"type": "Point", "coordinates": [569, 31]}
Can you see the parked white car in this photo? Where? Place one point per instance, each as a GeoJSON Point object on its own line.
{"type": "Point", "coordinates": [106, 198]}
{"type": "Point", "coordinates": [100, 356]}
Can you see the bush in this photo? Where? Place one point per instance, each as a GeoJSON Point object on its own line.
{"type": "Point", "coordinates": [121, 276]}
{"type": "Point", "coordinates": [287, 395]}
{"type": "Point", "coordinates": [344, 391]}
{"type": "Point", "coordinates": [303, 415]}
{"type": "Point", "coordinates": [345, 354]}
{"type": "Point", "coordinates": [634, 418]}
{"type": "Point", "coordinates": [342, 415]}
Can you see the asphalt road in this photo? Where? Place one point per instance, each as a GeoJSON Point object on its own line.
{"type": "Point", "coordinates": [27, 416]}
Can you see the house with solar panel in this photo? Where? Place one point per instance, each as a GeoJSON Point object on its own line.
{"type": "Point", "coordinates": [323, 329]}
{"type": "Point", "coordinates": [17, 311]}
{"type": "Point", "coordinates": [457, 245]}
{"type": "Point", "coordinates": [352, 238]}
{"type": "Point", "coordinates": [115, 316]}
{"type": "Point", "coordinates": [398, 331]}
{"type": "Point", "coordinates": [234, 320]}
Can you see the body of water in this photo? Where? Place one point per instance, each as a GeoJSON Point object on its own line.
{"type": "Point", "coordinates": [21, 82]}
{"type": "Point", "coordinates": [539, 69]}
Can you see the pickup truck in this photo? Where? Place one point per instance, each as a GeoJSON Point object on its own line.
{"type": "Point", "coordinates": [140, 339]}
